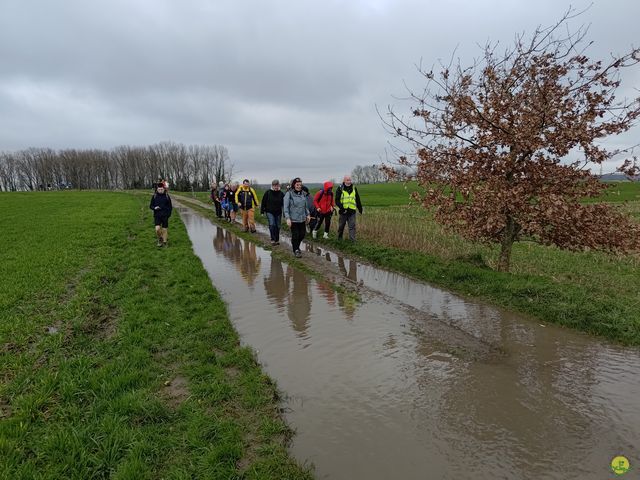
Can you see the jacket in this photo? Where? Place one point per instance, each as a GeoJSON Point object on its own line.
{"type": "Point", "coordinates": [310, 206]}
{"type": "Point", "coordinates": [348, 189]}
{"type": "Point", "coordinates": [295, 206]}
{"type": "Point", "coordinates": [272, 202]}
{"type": "Point", "coordinates": [162, 200]}
{"type": "Point", "coordinates": [231, 196]}
{"type": "Point", "coordinates": [323, 200]}
{"type": "Point", "coordinates": [246, 198]}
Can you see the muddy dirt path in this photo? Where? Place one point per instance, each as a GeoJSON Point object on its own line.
{"type": "Point", "coordinates": [415, 382]}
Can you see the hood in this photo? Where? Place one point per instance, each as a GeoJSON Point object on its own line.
{"type": "Point", "coordinates": [327, 186]}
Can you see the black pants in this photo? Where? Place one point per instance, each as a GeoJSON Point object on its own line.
{"type": "Point", "coordinates": [218, 208]}
{"type": "Point", "coordinates": [298, 231]}
{"type": "Point", "coordinates": [326, 218]}
{"type": "Point", "coordinates": [161, 220]}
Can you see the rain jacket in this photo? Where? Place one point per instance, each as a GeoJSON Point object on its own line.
{"type": "Point", "coordinates": [295, 206]}
{"type": "Point", "coordinates": [162, 200]}
{"type": "Point", "coordinates": [323, 200]}
{"type": "Point", "coordinates": [246, 198]}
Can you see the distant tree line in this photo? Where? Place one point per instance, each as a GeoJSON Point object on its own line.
{"type": "Point", "coordinates": [368, 174]}
{"type": "Point", "coordinates": [124, 167]}
{"type": "Point", "coordinates": [379, 174]}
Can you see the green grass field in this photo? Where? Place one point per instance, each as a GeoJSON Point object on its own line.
{"type": "Point", "coordinates": [589, 291]}
{"type": "Point", "coordinates": [118, 358]}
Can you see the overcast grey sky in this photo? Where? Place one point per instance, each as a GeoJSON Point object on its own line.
{"type": "Point", "coordinates": [290, 87]}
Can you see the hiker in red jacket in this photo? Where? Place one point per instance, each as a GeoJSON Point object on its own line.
{"type": "Point", "coordinates": [324, 203]}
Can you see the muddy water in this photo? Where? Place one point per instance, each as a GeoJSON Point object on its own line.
{"type": "Point", "coordinates": [417, 383]}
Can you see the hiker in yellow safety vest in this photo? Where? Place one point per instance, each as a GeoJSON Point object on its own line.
{"type": "Point", "coordinates": [347, 201]}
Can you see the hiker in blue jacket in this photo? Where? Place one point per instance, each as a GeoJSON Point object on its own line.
{"type": "Point", "coordinates": [296, 212]}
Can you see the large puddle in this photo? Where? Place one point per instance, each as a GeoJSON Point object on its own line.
{"type": "Point", "coordinates": [418, 383]}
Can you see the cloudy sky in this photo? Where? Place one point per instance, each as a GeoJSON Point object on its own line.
{"type": "Point", "coordinates": [290, 87]}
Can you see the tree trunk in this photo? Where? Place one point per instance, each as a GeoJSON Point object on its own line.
{"type": "Point", "coordinates": [508, 237]}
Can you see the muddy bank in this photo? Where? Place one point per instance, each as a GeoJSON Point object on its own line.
{"type": "Point", "coordinates": [415, 382]}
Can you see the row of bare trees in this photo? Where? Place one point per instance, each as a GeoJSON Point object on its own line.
{"type": "Point", "coordinates": [368, 174]}
{"type": "Point", "coordinates": [124, 167]}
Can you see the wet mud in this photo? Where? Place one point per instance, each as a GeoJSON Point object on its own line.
{"type": "Point", "coordinates": [414, 382]}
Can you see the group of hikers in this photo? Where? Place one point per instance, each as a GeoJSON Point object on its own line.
{"type": "Point", "coordinates": [300, 209]}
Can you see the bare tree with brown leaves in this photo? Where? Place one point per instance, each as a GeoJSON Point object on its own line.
{"type": "Point", "coordinates": [495, 143]}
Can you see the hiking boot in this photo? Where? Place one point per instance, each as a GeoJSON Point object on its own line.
{"type": "Point", "coordinates": [165, 244]}
{"type": "Point", "coordinates": [325, 235]}
{"type": "Point", "coordinates": [246, 229]}
{"type": "Point", "coordinates": [314, 233]}
{"type": "Point", "coordinates": [276, 243]}
{"type": "Point", "coordinates": [159, 244]}
{"type": "Point", "coordinates": [273, 242]}
{"type": "Point", "coordinates": [298, 253]}
{"type": "Point", "coordinates": [253, 230]}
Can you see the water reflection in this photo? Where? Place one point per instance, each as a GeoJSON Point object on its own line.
{"type": "Point", "coordinates": [328, 293]}
{"type": "Point", "coordinates": [291, 291]}
{"type": "Point", "coordinates": [299, 304]}
{"type": "Point", "coordinates": [250, 264]}
{"type": "Point", "coordinates": [352, 272]}
{"type": "Point", "coordinates": [241, 252]}
{"type": "Point", "coordinates": [275, 285]}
